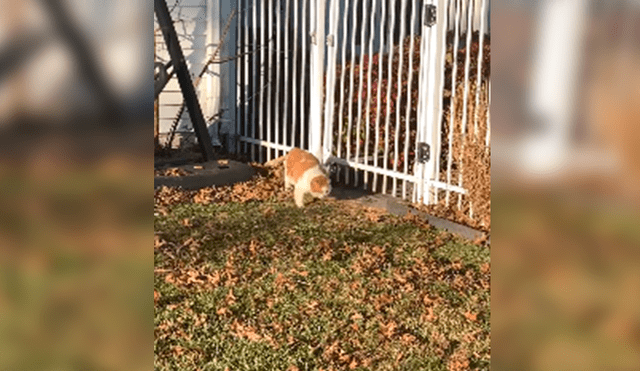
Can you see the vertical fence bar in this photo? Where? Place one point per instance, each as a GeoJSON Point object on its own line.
{"type": "Point", "coordinates": [454, 90]}
{"type": "Point", "coordinates": [296, 80]}
{"type": "Point", "coordinates": [263, 74]}
{"type": "Point", "coordinates": [303, 90]}
{"type": "Point", "coordinates": [241, 111]}
{"type": "Point", "coordinates": [439, 43]}
{"type": "Point", "coordinates": [379, 89]}
{"type": "Point", "coordinates": [409, 102]}
{"type": "Point", "coordinates": [398, 97]}
{"type": "Point", "coordinates": [351, 87]}
{"type": "Point", "coordinates": [363, 51]}
{"type": "Point", "coordinates": [421, 121]}
{"type": "Point", "coordinates": [239, 73]}
{"type": "Point", "coordinates": [332, 50]}
{"type": "Point", "coordinates": [479, 67]}
{"type": "Point", "coordinates": [433, 113]}
{"type": "Point", "coordinates": [343, 65]}
{"type": "Point", "coordinates": [374, 10]}
{"type": "Point", "coordinates": [269, 74]}
{"type": "Point", "coordinates": [287, 78]}
{"type": "Point", "coordinates": [245, 64]}
{"type": "Point", "coordinates": [430, 107]}
{"type": "Point", "coordinates": [278, 53]}
{"type": "Point", "coordinates": [388, 99]}
{"type": "Point", "coordinates": [257, 80]}
{"type": "Point", "coordinates": [465, 98]}
{"type": "Point", "coordinates": [253, 58]}
{"type": "Point", "coordinates": [317, 80]}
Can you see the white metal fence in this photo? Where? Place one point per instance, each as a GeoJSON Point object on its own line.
{"type": "Point", "coordinates": [370, 87]}
{"type": "Point", "coordinates": [390, 94]}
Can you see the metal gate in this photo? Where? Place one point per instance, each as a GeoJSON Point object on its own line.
{"type": "Point", "coordinates": [387, 93]}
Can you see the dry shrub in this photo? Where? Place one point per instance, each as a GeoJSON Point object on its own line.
{"type": "Point", "coordinates": [363, 98]}
{"type": "Point", "coordinates": [363, 94]}
{"type": "Point", "coordinates": [470, 161]}
{"type": "Point", "coordinates": [470, 156]}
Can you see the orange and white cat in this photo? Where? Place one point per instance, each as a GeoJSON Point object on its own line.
{"type": "Point", "coordinates": [303, 172]}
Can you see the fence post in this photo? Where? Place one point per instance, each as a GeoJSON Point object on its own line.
{"type": "Point", "coordinates": [332, 46]}
{"type": "Point", "coordinates": [430, 96]}
{"type": "Point", "coordinates": [554, 83]}
{"type": "Point", "coordinates": [317, 80]}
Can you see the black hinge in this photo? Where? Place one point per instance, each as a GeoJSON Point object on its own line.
{"type": "Point", "coordinates": [429, 15]}
{"type": "Point", "coordinates": [424, 152]}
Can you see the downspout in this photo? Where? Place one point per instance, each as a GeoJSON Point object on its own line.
{"type": "Point", "coordinates": [212, 86]}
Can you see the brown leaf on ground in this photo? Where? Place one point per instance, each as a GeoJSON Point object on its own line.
{"type": "Point", "coordinates": [408, 339]}
{"type": "Point", "coordinates": [300, 273]}
{"type": "Point", "coordinates": [353, 364]}
{"type": "Point", "coordinates": [267, 212]}
{"type": "Point", "coordinates": [428, 316]}
{"type": "Point", "coordinates": [252, 335]}
{"type": "Point", "coordinates": [172, 171]}
{"type": "Point", "coordinates": [374, 214]}
{"type": "Point", "coordinates": [331, 350]}
{"type": "Point", "coordinates": [389, 329]}
{"type": "Point", "coordinates": [253, 246]}
{"type": "Point", "coordinates": [204, 196]}
{"type": "Point", "coordinates": [170, 278]}
{"type": "Point", "coordinates": [222, 311]}
{"type": "Point", "coordinates": [482, 239]}
{"type": "Point", "coordinates": [471, 316]}
{"type": "Point", "coordinates": [280, 280]}
{"type": "Point", "coordinates": [230, 299]}
{"type": "Point", "coordinates": [243, 331]}
{"type": "Point", "coordinates": [458, 361]}
{"type": "Point", "coordinates": [327, 256]}
{"type": "Point", "coordinates": [382, 300]}
{"type": "Point", "coordinates": [178, 350]}
{"type": "Point", "coordinates": [158, 242]}
{"type": "Point", "coordinates": [457, 265]}
{"type": "Point", "coordinates": [399, 356]}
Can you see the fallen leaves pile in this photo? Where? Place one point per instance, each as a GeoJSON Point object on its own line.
{"type": "Point", "coordinates": [269, 183]}
{"type": "Point", "coordinates": [172, 171]}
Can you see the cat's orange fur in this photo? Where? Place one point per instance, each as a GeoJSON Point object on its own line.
{"type": "Point", "coordinates": [303, 171]}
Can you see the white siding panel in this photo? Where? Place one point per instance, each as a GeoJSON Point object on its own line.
{"type": "Point", "coordinates": [190, 22]}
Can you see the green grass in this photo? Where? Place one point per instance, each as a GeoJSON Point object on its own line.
{"type": "Point", "coordinates": [267, 286]}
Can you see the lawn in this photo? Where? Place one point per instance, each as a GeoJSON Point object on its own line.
{"type": "Point", "coordinates": [247, 284]}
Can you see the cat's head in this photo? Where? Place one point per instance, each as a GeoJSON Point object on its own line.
{"type": "Point", "coordinates": [320, 186]}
